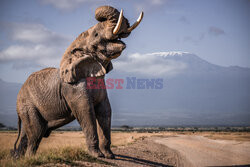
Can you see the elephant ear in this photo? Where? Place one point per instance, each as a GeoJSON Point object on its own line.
{"type": "Point", "coordinates": [77, 66]}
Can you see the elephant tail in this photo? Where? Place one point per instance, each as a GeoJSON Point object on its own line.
{"type": "Point", "coordinates": [19, 130]}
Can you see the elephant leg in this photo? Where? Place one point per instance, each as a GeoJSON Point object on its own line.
{"type": "Point", "coordinates": [82, 108]}
{"type": "Point", "coordinates": [22, 147]}
{"type": "Point", "coordinates": [85, 115]}
{"type": "Point", "coordinates": [88, 123]}
{"type": "Point", "coordinates": [103, 115]}
{"type": "Point", "coordinates": [35, 128]}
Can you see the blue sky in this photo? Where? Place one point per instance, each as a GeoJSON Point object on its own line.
{"type": "Point", "coordinates": [35, 33]}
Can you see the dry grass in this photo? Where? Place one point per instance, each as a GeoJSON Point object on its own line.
{"type": "Point", "coordinates": [69, 147]}
{"type": "Point", "coordinates": [66, 139]}
{"type": "Point", "coordinates": [65, 155]}
{"type": "Point", "coordinates": [238, 136]}
{"type": "Point", "coordinates": [69, 139]}
{"type": "Point", "coordinates": [61, 147]}
{"type": "Point", "coordinates": [7, 140]}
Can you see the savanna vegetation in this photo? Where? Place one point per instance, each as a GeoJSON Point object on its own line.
{"type": "Point", "coordinates": [68, 147]}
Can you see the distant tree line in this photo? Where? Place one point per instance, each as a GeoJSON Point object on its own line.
{"type": "Point", "coordinates": [2, 125]}
{"type": "Point", "coordinates": [6, 128]}
{"type": "Point", "coordinates": [127, 128]}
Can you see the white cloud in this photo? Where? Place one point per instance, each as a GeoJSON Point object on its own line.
{"type": "Point", "coordinates": [150, 64]}
{"type": "Point", "coordinates": [34, 33]}
{"type": "Point", "coordinates": [40, 55]}
{"type": "Point", "coordinates": [67, 4]}
{"type": "Point", "coordinates": [35, 45]}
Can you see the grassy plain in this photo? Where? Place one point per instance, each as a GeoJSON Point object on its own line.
{"type": "Point", "coordinates": [60, 147]}
{"type": "Point", "coordinates": [69, 147]}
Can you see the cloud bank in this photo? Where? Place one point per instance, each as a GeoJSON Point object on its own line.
{"type": "Point", "coordinates": [33, 45]}
{"type": "Point", "coordinates": [34, 33]}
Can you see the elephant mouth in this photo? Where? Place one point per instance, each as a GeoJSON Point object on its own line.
{"type": "Point", "coordinates": [119, 41]}
{"type": "Point", "coordinates": [116, 46]}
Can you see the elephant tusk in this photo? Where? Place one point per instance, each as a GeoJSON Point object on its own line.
{"type": "Point", "coordinates": [119, 23]}
{"type": "Point", "coordinates": [136, 23]}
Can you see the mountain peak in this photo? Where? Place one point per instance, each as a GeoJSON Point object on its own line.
{"type": "Point", "coordinates": [171, 53]}
{"type": "Point", "coordinates": [180, 56]}
{"type": "Point", "coordinates": [190, 60]}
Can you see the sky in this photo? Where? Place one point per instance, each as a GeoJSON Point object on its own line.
{"type": "Point", "coordinates": [35, 33]}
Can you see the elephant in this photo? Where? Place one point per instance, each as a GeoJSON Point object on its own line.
{"type": "Point", "coordinates": [53, 97]}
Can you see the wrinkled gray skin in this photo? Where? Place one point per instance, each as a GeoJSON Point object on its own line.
{"type": "Point", "coordinates": [52, 97]}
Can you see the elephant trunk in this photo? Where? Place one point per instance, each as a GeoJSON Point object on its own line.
{"type": "Point", "coordinates": [104, 13]}
{"type": "Point", "coordinates": [120, 23]}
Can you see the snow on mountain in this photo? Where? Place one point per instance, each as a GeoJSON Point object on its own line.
{"type": "Point", "coordinates": [192, 61]}
{"type": "Point", "coordinates": [195, 92]}
{"type": "Point", "coordinates": [169, 54]}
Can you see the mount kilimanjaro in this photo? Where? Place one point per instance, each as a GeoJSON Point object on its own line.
{"type": "Point", "coordinates": [195, 92]}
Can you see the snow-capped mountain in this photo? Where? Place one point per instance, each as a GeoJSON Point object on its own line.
{"type": "Point", "coordinates": [163, 64]}
{"type": "Point", "coordinates": [191, 60]}
{"type": "Point", "coordinates": [195, 92]}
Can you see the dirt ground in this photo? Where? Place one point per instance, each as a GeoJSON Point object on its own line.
{"type": "Point", "coordinates": [202, 151]}
{"type": "Point", "coordinates": [157, 149]}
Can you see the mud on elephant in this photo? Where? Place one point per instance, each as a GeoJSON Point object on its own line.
{"type": "Point", "coordinates": [52, 97]}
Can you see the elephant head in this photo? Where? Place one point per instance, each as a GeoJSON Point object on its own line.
{"type": "Point", "coordinates": [91, 53]}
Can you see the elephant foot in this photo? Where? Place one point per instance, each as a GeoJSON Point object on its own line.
{"type": "Point", "coordinates": [108, 154]}
{"type": "Point", "coordinates": [96, 153]}
{"type": "Point", "coordinates": [14, 154]}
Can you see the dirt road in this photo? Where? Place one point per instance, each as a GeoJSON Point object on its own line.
{"type": "Point", "coordinates": [202, 151]}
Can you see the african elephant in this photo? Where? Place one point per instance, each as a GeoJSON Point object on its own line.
{"type": "Point", "coordinates": [53, 97]}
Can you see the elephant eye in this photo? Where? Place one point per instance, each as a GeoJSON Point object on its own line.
{"type": "Point", "coordinates": [96, 34]}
